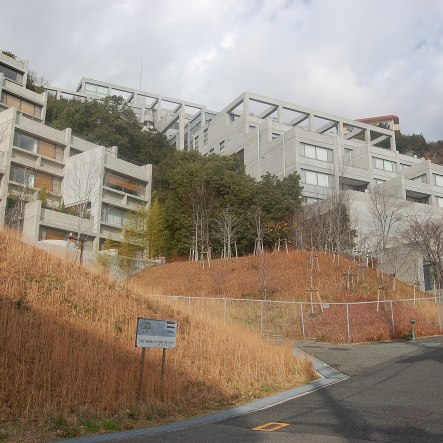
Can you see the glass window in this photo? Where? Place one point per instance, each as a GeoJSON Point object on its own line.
{"type": "Point", "coordinates": [33, 144]}
{"type": "Point", "coordinates": [96, 90]}
{"type": "Point", "coordinates": [21, 175]}
{"type": "Point", "coordinates": [123, 184]}
{"type": "Point", "coordinates": [21, 104]}
{"type": "Point", "coordinates": [11, 73]}
{"type": "Point", "coordinates": [205, 136]}
{"type": "Point", "coordinates": [438, 180]}
{"type": "Point", "coordinates": [385, 165]}
{"type": "Point", "coordinates": [222, 147]}
{"type": "Point", "coordinates": [316, 178]}
{"type": "Point", "coordinates": [440, 202]}
{"type": "Point", "coordinates": [196, 142]}
{"type": "Point", "coordinates": [25, 141]}
{"type": "Point", "coordinates": [52, 234]}
{"type": "Point", "coordinates": [318, 153]}
{"type": "Point", "coordinates": [114, 216]}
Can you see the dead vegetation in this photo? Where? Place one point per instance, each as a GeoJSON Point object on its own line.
{"type": "Point", "coordinates": [68, 364]}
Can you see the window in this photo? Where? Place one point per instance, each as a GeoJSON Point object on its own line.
{"type": "Point", "coordinates": [205, 136]}
{"type": "Point", "coordinates": [440, 202]}
{"type": "Point", "coordinates": [438, 180]}
{"type": "Point", "coordinates": [311, 200]}
{"type": "Point", "coordinates": [316, 178]}
{"type": "Point", "coordinates": [385, 165]}
{"type": "Point", "coordinates": [377, 181]}
{"type": "Point", "coordinates": [21, 104]}
{"type": "Point", "coordinates": [275, 135]}
{"type": "Point", "coordinates": [222, 147]}
{"type": "Point", "coordinates": [211, 151]}
{"type": "Point", "coordinates": [404, 166]}
{"type": "Point", "coordinates": [317, 153]}
{"type": "Point", "coordinates": [123, 184]}
{"type": "Point", "coordinates": [33, 179]}
{"type": "Point", "coordinates": [196, 142]}
{"type": "Point", "coordinates": [11, 74]}
{"type": "Point", "coordinates": [33, 144]}
{"type": "Point", "coordinates": [52, 234]}
{"type": "Point", "coordinates": [114, 216]}
{"type": "Point", "coordinates": [96, 90]}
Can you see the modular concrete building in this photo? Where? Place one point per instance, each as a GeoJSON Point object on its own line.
{"type": "Point", "coordinates": [330, 153]}
{"type": "Point", "coordinates": [53, 183]}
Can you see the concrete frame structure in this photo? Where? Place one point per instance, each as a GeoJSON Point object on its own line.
{"type": "Point", "coordinates": [331, 153]}
{"type": "Point", "coordinates": [72, 170]}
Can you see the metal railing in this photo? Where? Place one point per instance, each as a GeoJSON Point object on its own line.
{"type": "Point", "coordinates": [329, 322]}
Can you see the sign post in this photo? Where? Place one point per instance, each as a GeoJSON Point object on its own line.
{"type": "Point", "coordinates": [154, 334]}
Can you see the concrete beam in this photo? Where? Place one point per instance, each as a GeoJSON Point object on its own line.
{"type": "Point", "coordinates": [267, 112]}
{"type": "Point", "coordinates": [299, 119]}
{"type": "Point", "coordinates": [326, 127]}
{"type": "Point", "coordinates": [379, 139]}
{"type": "Point", "coordinates": [354, 133]}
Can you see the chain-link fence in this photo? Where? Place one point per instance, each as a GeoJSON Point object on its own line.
{"type": "Point", "coordinates": [330, 322]}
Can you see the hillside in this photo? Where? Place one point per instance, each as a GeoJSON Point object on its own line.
{"type": "Point", "coordinates": [71, 367]}
{"type": "Point", "coordinates": [283, 276]}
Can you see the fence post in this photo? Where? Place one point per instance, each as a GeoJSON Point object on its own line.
{"type": "Point", "coordinates": [392, 319]}
{"type": "Point", "coordinates": [189, 305]}
{"type": "Point", "coordinates": [302, 321]}
{"type": "Point", "coordinates": [437, 307]}
{"type": "Point", "coordinates": [347, 321]}
{"type": "Point", "coordinates": [261, 318]}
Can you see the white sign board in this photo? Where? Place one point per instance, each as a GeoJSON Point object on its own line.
{"type": "Point", "coordinates": [155, 333]}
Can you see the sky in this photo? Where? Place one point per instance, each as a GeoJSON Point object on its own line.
{"type": "Point", "coordinates": [352, 58]}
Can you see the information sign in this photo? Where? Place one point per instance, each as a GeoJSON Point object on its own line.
{"type": "Point", "coordinates": [155, 333]}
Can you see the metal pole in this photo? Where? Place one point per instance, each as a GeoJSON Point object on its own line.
{"type": "Point", "coordinates": [302, 321]}
{"type": "Point", "coordinates": [347, 320]}
{"type": "Point", "coordinates": [392, 317]}
{"type": "Point", "coordinates": [261, 318]}
{"type": "Point", "coordinates": [140, 381]}
{"type": "Point", "coordinates": [162, 373]}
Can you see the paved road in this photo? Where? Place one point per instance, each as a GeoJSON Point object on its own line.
{"type": "Point", "coordinates": [394, 394]}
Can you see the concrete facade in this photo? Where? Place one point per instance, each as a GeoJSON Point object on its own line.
{"type": "Point", "coordinates": [88, 189]}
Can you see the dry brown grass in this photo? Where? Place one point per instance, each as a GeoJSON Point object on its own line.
{"type": "Point", "coordinates": [68, 363]}
{"type": "Point", "coordinates": [286, 278]}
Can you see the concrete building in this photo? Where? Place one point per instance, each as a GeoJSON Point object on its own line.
{"type": "Point", "coordinates": [53, 183]}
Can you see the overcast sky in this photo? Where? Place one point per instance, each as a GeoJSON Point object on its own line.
{"type": "Point", "coordinates": [353, 58]}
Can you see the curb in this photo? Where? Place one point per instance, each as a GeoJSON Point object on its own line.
{"type": "Point", "coordinates": [328, 376]}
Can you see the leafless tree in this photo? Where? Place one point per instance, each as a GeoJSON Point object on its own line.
{"type": "Point", "coordinates": [200, 202]}
{"type": "Point", "coordinates": [259, 231]}
{"type": "Point", "coordinates": [388, 215]}
{"type": "Point", "coordinates": [426, 235]}
{"type": "Point", "coordinates": [81, 193]}
{"type": "Point", "coordinates": [22, 194]}
{"type": "Point", "coordinates": [227, 223]}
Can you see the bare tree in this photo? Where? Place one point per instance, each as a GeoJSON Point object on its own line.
{"type": "Point", "coordinates": [22, 194]}
{"type": "Point", "coordinates": [200, 202]}
{"type": "Point", "coordinates": [388, 215]}
{"type": "Point", "coordinates": [227, 224]}
{"type": "Point", "coordinates": [426, 235]}
{"type": "Point", "coordinates": [81, 193]}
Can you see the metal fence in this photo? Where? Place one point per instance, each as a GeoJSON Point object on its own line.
{"type": "Point", "coordinates": [330, 322]}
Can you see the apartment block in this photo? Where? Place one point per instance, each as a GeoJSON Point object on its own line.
{"type": "Point", "coordinates": [53, 183]}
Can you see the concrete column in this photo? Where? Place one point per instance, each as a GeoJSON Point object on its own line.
{"type": "Point", "coordinates": [31, 222]}
{"type": "Point", "coordinates": [280, 113]}
{"type": "Point", "coordinates": [181, 130]}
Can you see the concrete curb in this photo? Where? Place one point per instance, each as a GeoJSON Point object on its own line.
{"type": "Point", "coordinates": [328, 376]}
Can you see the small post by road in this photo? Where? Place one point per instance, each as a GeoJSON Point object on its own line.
{"type": "Point", "coordinates": [140, 380]}
{"type": "Point", "coordinates": [153, 333]}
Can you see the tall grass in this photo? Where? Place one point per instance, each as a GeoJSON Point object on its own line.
{"type": "Point", "coordinates": [279, 276]}
{"type": "Point", "coordinates": [68, 356]}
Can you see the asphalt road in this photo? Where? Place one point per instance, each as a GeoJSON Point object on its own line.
{"type": "Point", "coordinates": [394, 394]}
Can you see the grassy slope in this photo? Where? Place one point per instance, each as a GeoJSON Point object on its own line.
{"type": "Point", "coordinates": [286, 277]}
{"type": "Point", "coordinates": [68, 363]}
